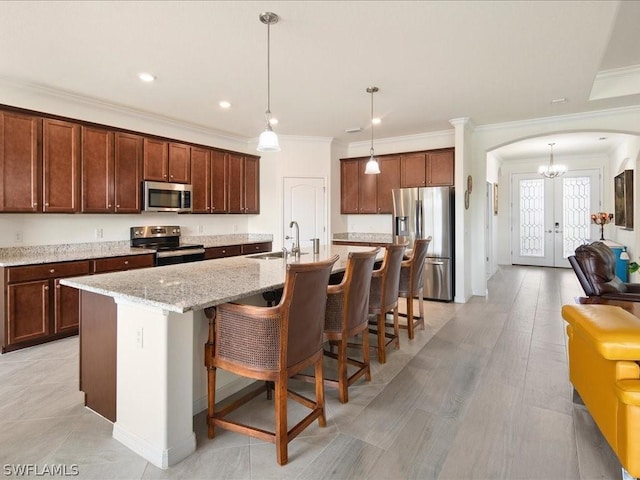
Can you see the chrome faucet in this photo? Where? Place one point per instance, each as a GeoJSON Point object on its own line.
{"type": "Point", "coordinates": [295, 248]}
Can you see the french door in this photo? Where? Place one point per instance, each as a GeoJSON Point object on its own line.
{"type": "Point", "coordinates": [551, 217]}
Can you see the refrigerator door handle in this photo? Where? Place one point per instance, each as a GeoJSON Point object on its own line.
{"type": "Point", "coordinates": [436, 263]}
{"type": "Point", "coordinates": [419, 220]}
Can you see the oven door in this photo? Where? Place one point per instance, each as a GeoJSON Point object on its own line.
{"type": "Point", "coordinates": [173, 257]}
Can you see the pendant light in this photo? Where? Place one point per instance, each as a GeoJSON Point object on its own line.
{"type": "Point", "coordinates": [551, 170]}
{"type": "Point", "coordinates": [268, 139]}
{"type": "Point", "coordinates": [372, 166]}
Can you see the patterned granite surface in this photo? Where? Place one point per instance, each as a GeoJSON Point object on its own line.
{"type": "Point", "coordinates": [16, 256]}
{"type": "Point", "coordinates": [364, 237]}
{"type": "Point", "coordinates": [198, 285]}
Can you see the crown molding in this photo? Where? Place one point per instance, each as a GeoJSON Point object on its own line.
{"type": "Point", "coordinates": [616, 82]}
{"type": "Point", "coordinates": [39, 89]}
{"type": "Point", "coordinates": [404, 138]}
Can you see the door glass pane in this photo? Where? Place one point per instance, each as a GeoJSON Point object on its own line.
{"type": "Point", "coordinates": [532, 218]}
{"type": "Point", "coordinates": [576, 214]}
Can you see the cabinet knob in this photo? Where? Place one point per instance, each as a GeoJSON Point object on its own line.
{"type": "Point", "coordinates": [126, 262]}
{"type": "Point", "coordinates": [224, 251]}
{"type": "Point", "coordinates": [35, 204]}
{"type": "Point", "coordinates": [46, 204]}
{"type": "Point", "coordinates": [213, 208]}
{"type": "Point", "coordinates": [117, 206]}
{"type": "Point", "coordinates": [58, 286]}
{"type": "Point", "coordinates": [109, 205]}
{"type": "Point", "coordinates": [46, 287]}
{"type": "Point", "coordinates": [52, 270]}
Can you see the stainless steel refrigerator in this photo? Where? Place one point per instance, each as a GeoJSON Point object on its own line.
{"type": "Point", "coordinates": [423, 212]}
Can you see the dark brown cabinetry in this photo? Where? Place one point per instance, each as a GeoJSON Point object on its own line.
{"type": "Point", "coordinates": [119, 264]}
{"type": "Point", "coordinates": [20, 163]}
{"type": "Point", "coordinates": [222, 252]}
{"type": "Point", "coordinates": [61, 166]}
{"type": "Point", "coordinates": [243, 184]}
{"type": "Point", "coordinates": [36, 307]}
{"type": "Point", "coordinates": [361, 193]}
{"type": "Point", "coordinates": [128, 173]}
{"type": "Point", "coordinates": [256, 248]}
{"type": "Point", "coordinates": [427, 169]}
{"type": "Point", "coordinates": [166, 161]}
{"type": "Point", "coordinates": [110, 181]}
{"type": "Point", "coordinates": [209, 173]}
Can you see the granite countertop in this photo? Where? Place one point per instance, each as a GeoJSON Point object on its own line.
{"type": "Point", "coordinates": [17, 256]}
{"type": "Point", "coordinates": [364, 237]}
{"type": "Point", "coordinates": [198, 285]}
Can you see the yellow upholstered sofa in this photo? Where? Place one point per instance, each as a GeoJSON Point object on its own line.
{"type": "Point", "coordinates": [604, 351]}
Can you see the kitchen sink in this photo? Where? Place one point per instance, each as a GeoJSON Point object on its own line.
{"type": "Point", "coordinates": [271, 255]}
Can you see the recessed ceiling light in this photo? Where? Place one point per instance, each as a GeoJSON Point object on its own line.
{"type": "Point", "coordinates": [224, 104]}
{"type": "Point", "coordinates": [376, 121]}
{"type": "Point", "coordinates": [353, 130]}
{"type": "Point", "coordinates": [273, 121]}
{"type": "Point", "coordinates": [146, 77]}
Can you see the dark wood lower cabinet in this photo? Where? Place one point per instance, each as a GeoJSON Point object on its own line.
{"type": "Point", "coordinates": [98, 351]}
{"type": "Point", "coordinates": [27, 311]}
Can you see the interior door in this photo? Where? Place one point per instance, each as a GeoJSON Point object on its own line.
{"type": "Point", "coordinates": [551, 217]}
{"type": "Point", "coordinates": [305, 202]}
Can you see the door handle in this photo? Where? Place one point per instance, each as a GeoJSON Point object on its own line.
{"type": "Point", "coordinates": [549, 231]}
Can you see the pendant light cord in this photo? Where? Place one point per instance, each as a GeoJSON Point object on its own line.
{"type": "Point", "coordinates": [269, 73]}
{"type": "Point", "coordinates": [371, 150]}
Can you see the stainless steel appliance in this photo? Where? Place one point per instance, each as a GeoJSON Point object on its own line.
{"type": "Point", "coordinates": [423, 212]}
{"type": "Point", "coordinates": [165, 240]}
{"type": "Point", "coordinates": [166, 197]}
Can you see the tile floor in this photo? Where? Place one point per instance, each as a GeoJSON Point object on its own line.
{"type": "Point", "coordinates": [481, 393]}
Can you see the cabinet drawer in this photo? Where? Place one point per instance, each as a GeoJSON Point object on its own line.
{"type": "Point", "coordinates": [256, 248]}
{"type": "Point", "coordinates": [47, 270]}
{"type": "Point", "coordinates": [116, 264]}
{"type": "Point", "coordinates": [221, 252]}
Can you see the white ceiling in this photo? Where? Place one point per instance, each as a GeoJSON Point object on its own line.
{"type": "Point", "coordinates": [493, 62]}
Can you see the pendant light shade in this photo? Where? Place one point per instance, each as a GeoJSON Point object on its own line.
{"type": "Point", "coordinates": [268, 141]}
{"type": "Point", "coordinates": [372, 167]}
{"type": "Point", "coordinates": [551, 170]}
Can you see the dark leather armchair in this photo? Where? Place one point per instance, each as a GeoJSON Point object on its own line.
{"type": "Point", "coordinates": [594, 265]}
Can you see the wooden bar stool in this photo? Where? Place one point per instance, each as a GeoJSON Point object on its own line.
{"type": "Point", "coordinates": [383, 298]}
{"type": "Point", "coordinates": [411, 284]}
{"type": "Point", "coordinates": [272, 344]}
{"type": "Point", "coordinates": [347, 316]}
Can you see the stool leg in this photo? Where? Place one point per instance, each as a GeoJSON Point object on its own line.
{"type": "Point", "coordinates": [409, 300]}
{"type": "Point", "coordinates": [211, 400]}
{"type": "Point", "coordinates": [281, 420]}
{"type": "Point", "coordinates": [319, 373]}
{"type": "Point", "coordinates": [382, 357]}
{"type": "Point", "coordinates": [421, 306]}
{"type": "Point", "coordinates": [365, 354]}
{"type": "Point", "coordinates": [343, 385]}
{"type": "Point", "coordinates": [396, 326]}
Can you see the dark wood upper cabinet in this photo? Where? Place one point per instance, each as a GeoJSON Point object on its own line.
{"type": "Point", "coordinates": [362, 193]}
{"type": "Point", "coordinates": [367, 189]}
{"type": "Point", "coordinates": [201, 180]}
{"type": "Point", "coordinates": [236, 183]}
{"type": "Point", "coordinates": [440, 167]}
{"type": "Point", "coordinates": [179, 167]}
{"type": "Point", "coordinates": [388, 180]}
{"type": "Point", "coordinates": [413, 170]}
{"type": "Point", "coordinates": [128, 173]}
{"type": "Point", "coordinates": [20, 163]}
{"type": "Point", "coordinates": [97, 170]}
{"type": "Point", "coordinates": [219, 183]}
{"type": "Point", "coordinates": [251, 185]}
{"type": "Point", "coordinates": [156, 160]}
{"type": "Point", "coordinates": [61, 165]}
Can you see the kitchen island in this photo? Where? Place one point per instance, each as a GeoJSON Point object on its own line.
{"type": "Point", "coordinates": [160, 332]}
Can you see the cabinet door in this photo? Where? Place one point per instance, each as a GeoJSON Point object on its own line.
{"type": "Point", "coordinates": [251, 185]}
{"type": "Point", "coordinates": [179, 163]}
{"type": "Point", "coordinates": [19, 163]}
{"type": "Point", "coordinates": [440, 167]}
{"type": "Point", "coordinates": [222, 252]}
{"type": "Point", "coordinates": [61, 165]}
{"type": "Point", "coordinates": [128, 173]}
{"type": "Point", "coordinates": [66, 308]}
{"type": "Point", "coordinates": [156, 160]}
{"type": "Point", "coordinates": [236, 183]}
{"type": "Point", "coordinates": [413, 170]}
{"type": "Point", "coordinates": [388, 179]}
{"type": "Point", "coordinates": [97, 170]}
{"type": "Point", "coordinates": [349, 173]}
{"type": "Point", "coordinates": [219, 182]}
{"type": "Point", "coordinates": [27, 311]}
{"type": "Point", "coordinates": [367, 189]}
{"type": "Point", "coordinates": [201, 180]}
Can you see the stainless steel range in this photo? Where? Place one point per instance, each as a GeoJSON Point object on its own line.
{"type": "Point", "coordinates": [165, 240]}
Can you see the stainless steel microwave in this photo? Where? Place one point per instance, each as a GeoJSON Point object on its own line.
{"type": "Point", "coordinates": [166, 197]}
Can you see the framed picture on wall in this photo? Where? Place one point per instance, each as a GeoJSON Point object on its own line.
{"type": "Point", "coordinates": [623, 199]}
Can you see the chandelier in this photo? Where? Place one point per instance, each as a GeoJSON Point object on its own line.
{"type": "Point", "coordinates": [551, 170]}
